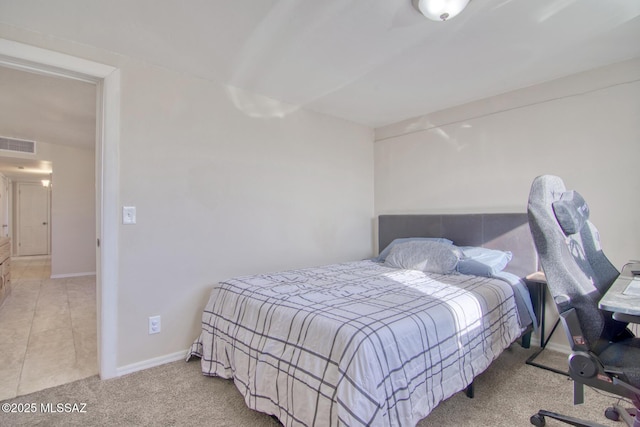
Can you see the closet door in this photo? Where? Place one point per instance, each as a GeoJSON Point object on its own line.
{"type": "Point", "coordinates": [33, 219]}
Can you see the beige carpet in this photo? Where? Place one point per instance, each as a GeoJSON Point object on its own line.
{"type": "Point", "coordinates": [176, 394]}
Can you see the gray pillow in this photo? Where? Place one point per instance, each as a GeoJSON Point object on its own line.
{"type": "Point", "coordinates": [429, 256]}
{"type": "Point", "coordinates": [383, 255]}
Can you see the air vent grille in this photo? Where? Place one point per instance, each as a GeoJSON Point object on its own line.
{"type": "Point", "coordinates": [19, 145]}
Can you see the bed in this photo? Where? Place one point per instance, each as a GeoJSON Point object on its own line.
{"type": "Point", "coordinates": [366, 342]}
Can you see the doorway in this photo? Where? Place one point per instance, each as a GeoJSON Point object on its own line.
{"type": "Point", "coordinates": [107, 78]}
{"type": "Point", "coordinates": [53, 316]}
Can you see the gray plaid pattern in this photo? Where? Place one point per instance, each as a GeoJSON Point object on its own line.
{"type": "Point", "coordinates": [355, 343]}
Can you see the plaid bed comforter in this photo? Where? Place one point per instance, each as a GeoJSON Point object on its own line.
{"type": "Point", "coordinates": [356, 343]}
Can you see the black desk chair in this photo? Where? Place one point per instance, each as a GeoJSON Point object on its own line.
{"type": "Point", "coordinates": [604, 353]}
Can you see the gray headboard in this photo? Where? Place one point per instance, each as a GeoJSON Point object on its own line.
{"type": "Point", "coordinates": [505, 231]}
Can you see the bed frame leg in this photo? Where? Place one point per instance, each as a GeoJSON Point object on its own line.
{"type": "Point", "coordinates": [526, 340]}
{"type": "Point", "coordinates": [469, 391]}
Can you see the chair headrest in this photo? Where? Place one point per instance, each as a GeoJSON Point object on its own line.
{"type": "Point", "coordinates": [571, 211]}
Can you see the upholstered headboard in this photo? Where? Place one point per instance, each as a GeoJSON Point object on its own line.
{"type": "Point", "coordinates": [504, 231]}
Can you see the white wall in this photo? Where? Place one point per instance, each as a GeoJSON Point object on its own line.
{"type": "Point", "coordinates": [73, 211]}
{"type": "Point", "coordinates": [482, 157]}
{"type": "Point", "coordinates": [220, 192]}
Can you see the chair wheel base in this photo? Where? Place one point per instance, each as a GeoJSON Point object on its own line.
{"type": "Point", "coordinates": [612, 414]}
{"type": "Point", "coordinates": [537, 420]}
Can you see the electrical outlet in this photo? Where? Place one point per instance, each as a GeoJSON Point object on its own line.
{"type": "Point", "coordinates": [154, 325]}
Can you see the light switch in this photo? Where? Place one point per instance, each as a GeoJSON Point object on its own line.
{"type": "Point", "coordinates": [128, 214]}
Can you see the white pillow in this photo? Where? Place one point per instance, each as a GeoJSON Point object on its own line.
{"type": "Point", "coordinates": [479, 261]}
{"type": "Point", "coordinates": [429, 256]}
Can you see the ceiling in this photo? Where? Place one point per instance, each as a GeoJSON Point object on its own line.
{"type": "Point", "coordinates": [25, 169]}
{"type": "Point", "coordinates": [374, 62]}
{"type": "Point", "coordinates": [43, 109]}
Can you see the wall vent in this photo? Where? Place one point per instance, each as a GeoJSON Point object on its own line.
{"type": "Point", "coordinates": [18, 145]}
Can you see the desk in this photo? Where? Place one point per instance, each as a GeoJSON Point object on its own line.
{"type": "Point", "coordinates": [626, 307]}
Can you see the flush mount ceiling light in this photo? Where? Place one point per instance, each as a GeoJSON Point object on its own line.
{"type": "Point", "coordinates": [440, 10]}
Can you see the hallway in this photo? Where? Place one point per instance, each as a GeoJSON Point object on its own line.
{"type": "Point", "coordinates": [47, 329]}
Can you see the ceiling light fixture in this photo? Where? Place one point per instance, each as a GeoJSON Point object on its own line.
{"type": "Point", "coordinates": [440, 10]}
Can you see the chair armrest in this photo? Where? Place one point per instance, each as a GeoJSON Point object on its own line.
{"type": "Point", "coordinates": [573, 330]}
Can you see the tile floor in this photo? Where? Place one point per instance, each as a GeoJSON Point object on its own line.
{"type": "Point", "coordinates": [47, 329]}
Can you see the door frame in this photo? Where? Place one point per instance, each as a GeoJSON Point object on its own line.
{"type": "Point", "coordinates": [107, 80]}
{"type": "Point", "coordinates": [6, 229]}
{"type": "Point", "coordinates": [18, 187]}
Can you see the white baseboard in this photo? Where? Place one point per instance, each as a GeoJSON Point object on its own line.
{"type": "Point", "coordinates": [150, 363]}
{"type": "Point", "coordinates": [62, 276]}
{"type": "Point", "coordinates": [30, 257]}
{"type": "Point", "coordinates": [560, 348]}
